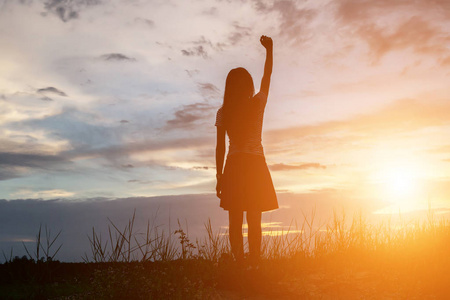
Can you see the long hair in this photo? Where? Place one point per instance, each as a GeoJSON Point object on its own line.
{"type": "Point", "coordinates": [237, 104]}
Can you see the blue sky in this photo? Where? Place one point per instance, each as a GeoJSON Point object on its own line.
{"type": "Point", "coordinates": [117, 98]}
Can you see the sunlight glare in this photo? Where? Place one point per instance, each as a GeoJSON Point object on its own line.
{"type": "Point", "coordinates": [399, 184]}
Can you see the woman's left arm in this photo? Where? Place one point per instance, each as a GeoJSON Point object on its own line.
{"type": "Point", "coordinates": [265, 82]}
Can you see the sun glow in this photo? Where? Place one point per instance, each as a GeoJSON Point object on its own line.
{"type": "Point", "coordinates": [399, 184]}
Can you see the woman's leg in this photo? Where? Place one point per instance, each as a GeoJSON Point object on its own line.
{"type": "Point", "coordinates": [254, 234]}
{"type": "Point", "coordinates": [235, 232]}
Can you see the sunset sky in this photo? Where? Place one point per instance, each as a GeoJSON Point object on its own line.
{"type": "Point", "coordinates": [118, 98]}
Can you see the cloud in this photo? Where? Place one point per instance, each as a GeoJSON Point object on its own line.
{"type": "Point", "coordinates": [86, 136]}
{"type": "Point", "coordinates": [202, 46]}
{"type": "Point", "coordinates": [43, 194]}
{"type": "Point", "coordinates": [212, 11]}
{"type": "Point", "coordinates": [24, 143]}
{"type": "Point", "coordinates": [25, 2]}
{"type": "Point", "coordinates": [285, 167]}
{"type": "Point", "coordinates": [80, 130]}
{"type": "Point", "coordinates": [414, 33]}
{"type": "Point", "coordinates": [441, 149]}
{"type": "Point", "coordinates": [13, 165]}
{"type": "Point", "coordinates": [195, 51]}
{"type": "Point", "coordinates": [239, 33]}
{"type": "Point", "coordinates": [188, 115]}
{"type": "Point", "coordinates": [294, 20]}
{"type": "Point", "coordinates": [8, 173]}
{"type": "Point", "coordinates": [143, 181]}
{"type": "Point", "coordinates": [209, 90]}
{"type": "Point", "coordinates": [192, 73]}
{"type": "Point", "coordinates": [116, 57]}
{"type": "Point", "coordinates": [120, 150]}
{"type": "Point", "coordinates": [396, 25]}
{"type": "Point", "coordinates": [68, 10]}
{"type": "Point", "coordinates": [147, 22]}
{"type": "Point", "coordinates": [29, 160]}
{"type": "Point", "coordinates": [357, 11]}
{"type": "Point", "coordinates": [401, 116]}
{"type": "Point", "coordinates": [71, 125]}
{"type": "Point", "coordinates": [45, 98]}
{"type": "Point", "coordinates": [201, 168]}
{"type": "Point", "coordinates": [51, 90]}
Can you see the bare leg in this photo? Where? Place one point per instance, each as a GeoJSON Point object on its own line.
{"type": "Point", "coordinates": [235, 232]}
{"type": "Point", "coordinates": [254, 235]}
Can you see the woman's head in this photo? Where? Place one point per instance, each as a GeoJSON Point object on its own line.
{"type": "Point", "coordinates": [239, 85]}
{"type": "Point", "coordinates": [239, 90]}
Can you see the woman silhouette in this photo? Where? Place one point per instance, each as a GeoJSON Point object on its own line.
{"type": "Point", "coordinates": [245, 184]}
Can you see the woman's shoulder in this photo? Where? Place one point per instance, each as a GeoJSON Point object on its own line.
{"type": "Point", "coordinates": [260, 96]}
{"type": "Point", "coordinates": [219, 117]}
{"type": "Point", "coordinates": [219, 113]}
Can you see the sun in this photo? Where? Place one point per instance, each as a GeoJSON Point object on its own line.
{"type": "Point", "coordinates": [398, 184]}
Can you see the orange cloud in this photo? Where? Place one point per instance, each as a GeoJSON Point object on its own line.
{"type": "Point", "coordinates": [285, 167]}
{"type": "Point", "coordinates": [399, 117]}
{"type": "Point", "coordinates": [387, 25]}
{"type": "Point", "coordinates": [442, 149]}
{"type": "Point", "coordinates": [414, 33]}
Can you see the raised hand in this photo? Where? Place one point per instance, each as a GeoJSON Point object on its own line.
{"type": "Point", "coordinates": [265, 81]}
{"type": "Point", "coordinates": [266, 42]}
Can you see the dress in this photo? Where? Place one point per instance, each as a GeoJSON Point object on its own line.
{"type": "Point", "coordinates": [246, 181]}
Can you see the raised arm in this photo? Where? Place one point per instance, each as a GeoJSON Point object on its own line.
{"type": "Point", "coordinates": [265, 82]}
{"type": "Point", "coordinates": [220, 156]}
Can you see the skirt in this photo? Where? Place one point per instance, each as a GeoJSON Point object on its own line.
{"type": "Point", "coordinates": [247, 184]}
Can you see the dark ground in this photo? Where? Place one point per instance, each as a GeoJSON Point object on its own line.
{"type": "Point", "coordinates": [201, 279]}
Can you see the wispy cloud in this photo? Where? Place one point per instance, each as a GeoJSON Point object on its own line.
{"type": "Point", "coordinates": [43, 194]}
{"type": "Point", "coordinates": [68, 10]}
{"type": "Point", "coordinates": [29, 160]}
{"type": "Point", "coordinates": [147, 22]}
{"type": "Point", "coordinates": [441, 149]}
{"type": "Point", "coordinates": [51, 90]}
{"type": "Point", "coordinates": [209, 90]}
{"type": "Point", "coordinates": [388, 26]}
{"type": "Point", "coordinates": [140, 147]}
{"type": "Point", "coordinates": [414, 33]}
{"type": "Point", "coordinates": [13, 165]}
{"type": "Point", "coordinates": [186, 117]}
{"type": "Point", "coordinates": [294, 19]}
{"type": "Point", "coordinates": [288, 167]}
{"type": "Point", "coordinates": [8, 173]}
{"type": "Point", "coordinates": [404, 115]}
{"type": "Point", "coordinates": [202, 46]}
{"type": "Point", "coordinates": [116, 57]}
{"type": "Point", "coordinates": [239, 33]}
{"type": "Point", "coordinates": [195, 51]}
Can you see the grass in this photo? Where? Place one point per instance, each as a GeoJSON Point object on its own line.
{"type": "Point", "coordinates": [343, 259]}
